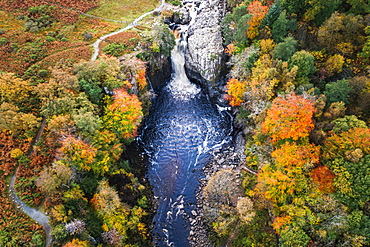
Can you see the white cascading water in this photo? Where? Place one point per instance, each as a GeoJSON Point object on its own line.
{"type": "Point", "coordinates": [180, 85]}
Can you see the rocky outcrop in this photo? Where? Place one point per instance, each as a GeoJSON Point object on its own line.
{"type": "Point", "coordinates": [205, 53]}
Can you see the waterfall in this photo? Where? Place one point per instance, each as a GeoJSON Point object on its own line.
{"type": "Point", "coordinates": [180, 85]}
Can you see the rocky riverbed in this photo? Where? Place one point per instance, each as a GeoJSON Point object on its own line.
{"type": "Point", "coordinates": [231, 158]}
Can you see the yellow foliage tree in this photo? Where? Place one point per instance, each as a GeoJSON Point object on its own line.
{"type": "Point", "coordinates": [235, 91]}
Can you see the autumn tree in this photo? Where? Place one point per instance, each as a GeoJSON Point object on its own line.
{"type": "Point", "coordinates": [337, 145]}
{"type": "Point", "coordinates": [17, 122]}
{"type": "Point", "coordinates": [124, 115]}
{"type": "Point", "coordinates": [109, 151]}
{"type": "Point", "coordinates": [359, 95]}
{"type": "Point", "coordinates": [14, 90]}
{"type": "Point", "coordinates": [77, 243]}
{"type": "Point", "coordinates": [114, 213]}
{"type": "Point", "coordinates": [290, 117]}
{"type": "Point", "coordinates": [258, 12]}
{"type": "Point", "coordinates": [341, 33]}
{"type": "Point", "coordinates": [78, 153]}
{"type": "Point", "coordinates": [323, 177]}
{"type": "Point", "coordinates": [53, 178]}
{"type": "Point", "coordinates": [235, 90]}
{"type": "Point", "coordinates": [334, 64]}
{"type": "Point", "coordinates": [292, 155]}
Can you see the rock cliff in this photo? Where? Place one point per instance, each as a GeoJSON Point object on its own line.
{"type": "Point", "coordinates": [205, 53]}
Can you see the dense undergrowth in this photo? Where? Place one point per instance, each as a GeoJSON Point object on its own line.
{"type": "Point", "coordinates": [299, 87]}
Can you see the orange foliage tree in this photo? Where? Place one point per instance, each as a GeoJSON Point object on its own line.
{"type": "Point", "coordinates": [323, 177]}
{"type": "Point", "coordinates": [235, 91]}
{"type": "Point", "coordinates": [291, 154]}
{"type": "Point", "coordinates": [289, 117]}
{"type": "Point", "coordinates": [258, 12]}
{"type": "Point", "coordinates": [141, 79]}
{"type": "Point", "coordinates": [124, 115]}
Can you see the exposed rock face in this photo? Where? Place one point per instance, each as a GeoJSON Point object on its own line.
{"type": "Point", "coordinates": [205, 53]}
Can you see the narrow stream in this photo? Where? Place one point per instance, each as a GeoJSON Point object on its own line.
{"type": "Point", "coordinates": [182, 130]}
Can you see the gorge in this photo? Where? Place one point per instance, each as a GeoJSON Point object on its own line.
{"type": "Point", "coordinates": [180, 134]}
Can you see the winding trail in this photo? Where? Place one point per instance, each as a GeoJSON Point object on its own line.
{"type": "Point", "coordinates": [35, 214]}
{"type": "Point", "coordinates": [129, 26]}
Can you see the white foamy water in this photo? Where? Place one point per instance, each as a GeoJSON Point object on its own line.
{"type": "Point", "coordinates": [180, 86]}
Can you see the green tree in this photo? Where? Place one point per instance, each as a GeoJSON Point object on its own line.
{"type": "Point", "coordinates": [294, 6]}
{"type": "Point", "coordinates": [352, 180]}
{"type": "Point", "coordinates": [306, 66]}
{"type": "Point", "coordinates": [279, 28]}
{"type": "Point", "coordinates": [163, 40]}
{"type": "Point", "coordinates": [346, 123]}
{"type": "Point", "coordinates": [319, 11]}
{"type": "Point", "coordinates": [283, 51]}
{"type": "Point", "coordinates": [294, 236]}
{"type": "Point", "coordinates": [359, 7]}
{"type": "Point", "coordinates": [93, 77]}
{"type": "Point", "coordinates": [273, 14]}
{"type": "Point", "coordinates": [115, 49]}
{"type": "Point", "coordinates": [235, 26]}
{"type": "Point", "coordinates": [365, 54]}
{"type": "Point", "coordinates": [337, 91]}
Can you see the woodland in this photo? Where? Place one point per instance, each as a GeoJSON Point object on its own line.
{"type": "Point", "coordinates": [298, 85]}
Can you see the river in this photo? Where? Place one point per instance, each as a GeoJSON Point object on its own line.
{"type": "Point", "coordinates": [182, 130]}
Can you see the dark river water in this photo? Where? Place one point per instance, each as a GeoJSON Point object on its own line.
{"type": "Point", "coordinates": [181, 132]}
